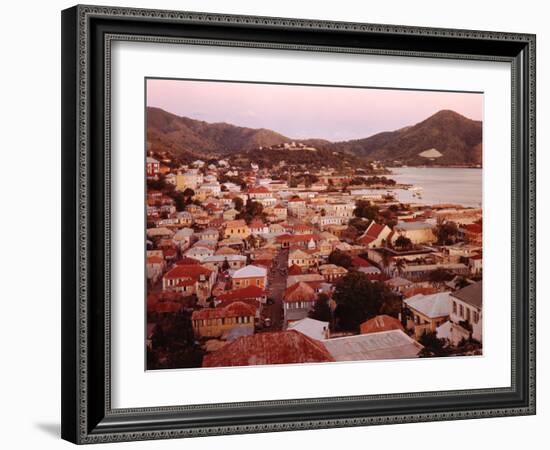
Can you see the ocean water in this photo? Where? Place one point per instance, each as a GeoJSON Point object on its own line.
{"type": "Point", "coordinates": [440, 185]}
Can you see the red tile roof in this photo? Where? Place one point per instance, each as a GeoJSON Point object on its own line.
{"type": "Point", "coordinates": [227, 251]}
{"type": "Point", "coordinates": [251, 302]}
{"type": "Point", "coordinates": [475, 228]}
{"type": "Point", "coordinates": [299, 292]}
{"type": "Point", "coordinates": [185, 261]}
{"type": "Point", "coordinates": [357, 261]}
{"type": "Point", "coordinates": [154, 260]}
{"type": "Point", "coordinates": [301, 227]}
{"type": "Point", "coordinates": [295, 270]}
{"type": "Point", "coordinates": [216, 223]}
{"type": "Point", "coordinates": [259, 190]}
{"type": "Point", "coordinates": [170, 252]}
{"type": "Point", "coordinates": [380, 323]}
{"type": "Point", "coordinates": [234, 309]}
{"type": "Point", "coordinates": [256, 223]}
{"type": "Point", "coordinates": [281, 347]}
{"type": "Point", "coordinates": [187, 271]}
{"type": "Point", "coordinates": [375, 229]}
{"type": "Point", "coordinates": [235, 224]}
{"type": "Point", "coordinates": [365, 240]}
{"type": "Point", "coordinates": [264, 262]}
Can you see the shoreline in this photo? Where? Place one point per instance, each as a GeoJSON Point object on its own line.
{"type": "Point", "coordinates": [391, 169]}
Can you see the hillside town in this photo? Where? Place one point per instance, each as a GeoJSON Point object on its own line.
{"type": "Point", "coordinates": [296, 263]}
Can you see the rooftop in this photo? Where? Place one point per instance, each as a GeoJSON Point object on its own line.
{"type": "Point", "coordinates": [250, 271]}
{"type": "Point", "coordinates": [235, 224]}
{"type": "Point", "coordinates": [249, 292]}
{"type": "Point", "coordinates": [398, 282]}
{"type": "Point", "coordinates": [235, 309]}
{"type": "Point", "coordinates": [472, 294]}
{"type": "Point", "coordinates": [380, 323]}
{"type": "Point", "coordinates": [432, 306]}
{"type": "Point", "coordinates": [187, 271]}
{"type": "Point", "coordinates": [281, 347]}
{"type": "Point", "coordinates": [312, 328]}
{"type": "Point", "coordinates": [393, 344]}
{"type": "Point", "coordinates": [299, 292]}
{"type": "Point", "coordinates": [409, 226]}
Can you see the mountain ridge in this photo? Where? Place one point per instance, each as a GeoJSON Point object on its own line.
{"type": "Point", "coordinates": [456, 137]}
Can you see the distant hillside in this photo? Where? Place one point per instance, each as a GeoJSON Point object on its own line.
{"type": "Point", "coordinates": [184, 136]}
{"type": "Point", "coordinates": [456, 137]}
{"type": "Point", "coordinates": [321, 157]}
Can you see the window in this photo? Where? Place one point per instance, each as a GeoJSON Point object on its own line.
{"type": "Point", "coordinates": [476, 317]}
{"type": "Point", "coordinates": [468, 314]}
{"type": "Point", "coordinates": [461, 314]}
{"type": "Point", "coordinates": [454, 307]}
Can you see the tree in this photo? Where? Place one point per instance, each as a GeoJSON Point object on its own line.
{"type": "Point", "coordinates": [403, 242]}
{"type": "Point", "coordinates": [440, 276]}
{"type": "Point", "coordinates": [238, 202]}
{"type": "Point", "coordinates": [400, 265]}
{"type": "Point", "coordinates": [321, 309]}
{"type": "Point", "coordinates": [393, 208]}
{"type": "Point", "coordinates": [446, 233]}
{"type": "Point", "coordinates": [350, 234]}
{"type": "Point", "coordinates": [252, 210]}
{"type": "Point", "coordinates": [358, 299]}
{"type": "Point", "coordinates": [364, 209]}
{"type": "Point", "coordinates": [340, 258]}
{"type": "Point", "coordinates": [254, 241]}
{"type": "Point", "coordinates": [462, 282]}
{"type": "Point", "coordinates": [188, 193]}
{"type": "Point", "coordinates": [388, 217]}
{"type": "Point", "coordinates": [182, 199]}
{"type": "Point", "coordinates": [359, 224]}
{"type": "Point", "coordinates": [159, 184]}
{"type": "Point", "coordinates": [433, 346]}
{"type": "Point", "coordinates": [225, 265]}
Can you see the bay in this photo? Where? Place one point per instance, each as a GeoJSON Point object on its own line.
{"type": "Point", "coordinates": [440, 185]}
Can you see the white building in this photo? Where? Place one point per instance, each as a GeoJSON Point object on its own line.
{"type": "Point", "coordinates": [417, 232]}
{"type": "Point", "coordinates": [340, 209]}
{"type": "Point", "coordinates": [312, 328]}
{"type": "Point", "coordinates": [199, 253]}
{"type": "Point", "coordinates": [190, 179]}
{"type": "Point", "coordinates": [465, 320]}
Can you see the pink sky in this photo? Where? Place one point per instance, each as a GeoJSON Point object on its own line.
{"type": "Point", "coordinates": [333, 113]}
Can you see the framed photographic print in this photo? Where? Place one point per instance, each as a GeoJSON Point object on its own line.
{"type": "Point", "coordinates": [281, 224]}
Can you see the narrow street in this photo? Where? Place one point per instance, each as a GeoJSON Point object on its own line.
{"type": "Point", "coordinates": [276, 286]}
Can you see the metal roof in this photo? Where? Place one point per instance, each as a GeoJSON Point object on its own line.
{"type": "Point", "coordinates": [394, 344]}
{"type": "Point", "coordinates": [472, 294]}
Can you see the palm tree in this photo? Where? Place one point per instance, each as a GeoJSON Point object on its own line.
{"type": "Point", "coordinates": [400, 265]}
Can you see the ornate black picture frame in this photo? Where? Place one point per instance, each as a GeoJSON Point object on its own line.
{"type": "Point", "coordinates": [87, 34]}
